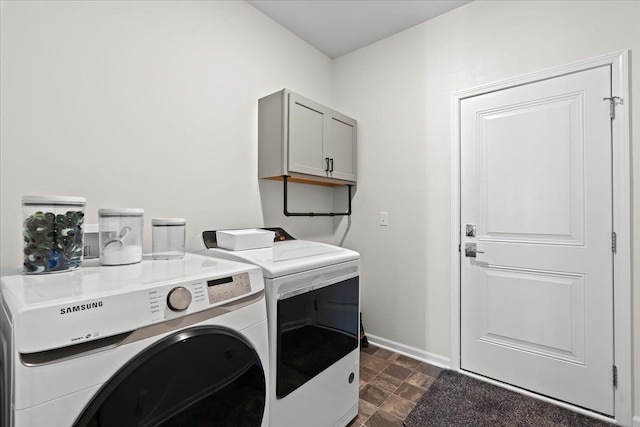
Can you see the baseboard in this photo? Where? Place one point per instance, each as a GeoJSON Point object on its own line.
{"type": "Point", "coordinates": [415, 353]}
{"type": "Point", "coordinates": [636, 421]}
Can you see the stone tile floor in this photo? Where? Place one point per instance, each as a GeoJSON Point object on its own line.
{"type": "Point", "coordinates": [390, 386]}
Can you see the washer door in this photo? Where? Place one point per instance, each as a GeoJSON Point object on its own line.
{"type": "Point", "coordinates": [200, 374]}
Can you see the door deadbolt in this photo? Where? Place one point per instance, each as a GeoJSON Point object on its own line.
{"type": "Point", "coordinates": [470, 230]}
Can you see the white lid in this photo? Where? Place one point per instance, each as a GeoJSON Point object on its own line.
{"type": "Point", "coordinates": [53, 200]}
{"type": "Point", "coordinates": [120, 212]}
{"type": "Point", "coordinates": [168, 221]}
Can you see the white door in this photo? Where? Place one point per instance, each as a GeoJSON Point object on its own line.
{"type": "Point", "coordinates": [537, 300]}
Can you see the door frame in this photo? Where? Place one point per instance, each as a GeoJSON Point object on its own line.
{"type": "Point", "coordinates": [621, 158]}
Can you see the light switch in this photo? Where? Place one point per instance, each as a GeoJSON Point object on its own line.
{"type": "Point", "coordinates": [384, 218]}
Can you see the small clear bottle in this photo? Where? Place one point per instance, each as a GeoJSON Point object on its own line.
{"type": "Point", "coordinates": [120, 236]}
{"type": "Point", "coordinates": [168, 237]}
{"type": "Point", "coordinates": [53, 233]}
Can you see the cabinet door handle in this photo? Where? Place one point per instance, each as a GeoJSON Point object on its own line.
{"type": "Point", "coordinates": [326, 169]}
{"type": "Point", "coordinates": [331, 162]}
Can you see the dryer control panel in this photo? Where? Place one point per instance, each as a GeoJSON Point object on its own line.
{"type": "Point", "coordinates": [210, 241]}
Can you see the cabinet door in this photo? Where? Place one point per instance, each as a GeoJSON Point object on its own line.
{"type": "Point", "coordinates": [306, 134]}
{"type": "Point", "coordinates": [341, 147]}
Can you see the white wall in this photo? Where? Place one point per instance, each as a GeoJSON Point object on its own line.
{"type": "Point", "coordinates": [149, 104]}
{"type": "Point", "coordinates": [399, 90]}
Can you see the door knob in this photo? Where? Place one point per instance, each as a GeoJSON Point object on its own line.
{"type": "Point", "coordinates": [470, 250]}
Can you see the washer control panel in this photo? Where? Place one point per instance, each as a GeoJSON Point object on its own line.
{"type": "Point", "coordinates": [47, 313]}
{"type": "Point", "coordinates": [228, 287]}
{"type": "Point", "coordinates": [174, 301]}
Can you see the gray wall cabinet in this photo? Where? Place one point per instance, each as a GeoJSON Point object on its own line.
{"type": "Point", "coordinates": [305, 140]}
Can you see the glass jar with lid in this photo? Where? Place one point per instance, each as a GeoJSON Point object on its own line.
{"type": "Point", "coordinates": [120, 235]}
{"type": "Point", "coordinates": [53, 233]}
{"type": "Point", "coordinates": [168, 237]}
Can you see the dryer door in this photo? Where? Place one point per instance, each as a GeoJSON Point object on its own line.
{"type": "Point", "coordinates": [317, 326]}
{"type": "Point", "coordinates": [198, 374]}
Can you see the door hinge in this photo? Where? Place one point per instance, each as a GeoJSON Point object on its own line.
{"type": "Point", "coordinates": [614, 242]}
{"type": "Point", "coordinates": [612, 105]}
{"type": "Point", "coordinates": [615, 376]}
{"type": "Point", "coordinates": [460, 248]}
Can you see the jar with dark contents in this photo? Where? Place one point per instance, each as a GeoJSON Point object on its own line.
{"type": "Point", "coordinates": [52, 231]}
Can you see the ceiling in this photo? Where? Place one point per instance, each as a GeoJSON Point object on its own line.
{"type": "Point", "coordinates": [337, 27]}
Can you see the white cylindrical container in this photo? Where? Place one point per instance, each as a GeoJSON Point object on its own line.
{"type": "Point", "coordinates": [120, 236]}
{"type": "Point", "coordinates": [52, 231]}
{"type": "Point", "coordinates": [168, 237]}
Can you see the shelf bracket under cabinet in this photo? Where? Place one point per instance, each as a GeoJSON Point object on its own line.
{"type": "Point", "coordinates": [285, 178]}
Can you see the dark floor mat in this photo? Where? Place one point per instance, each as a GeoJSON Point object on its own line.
{"type": "Point", "coordinates": [456, 399]}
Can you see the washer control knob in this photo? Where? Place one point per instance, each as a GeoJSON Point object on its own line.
{"type": "Point", "coordinates": [179, 298]}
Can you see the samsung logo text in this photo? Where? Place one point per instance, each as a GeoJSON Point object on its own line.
{"type": "Point", "coordinates": [81, 307]}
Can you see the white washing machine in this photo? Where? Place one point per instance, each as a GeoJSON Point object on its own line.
{"type": "Point", "coordinates": [313, 303]}
{"type": "Point", "coordinates": [159, 343]}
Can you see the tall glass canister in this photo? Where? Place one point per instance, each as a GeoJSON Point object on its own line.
{"type": "Point", "coordinates": [52, 231]}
